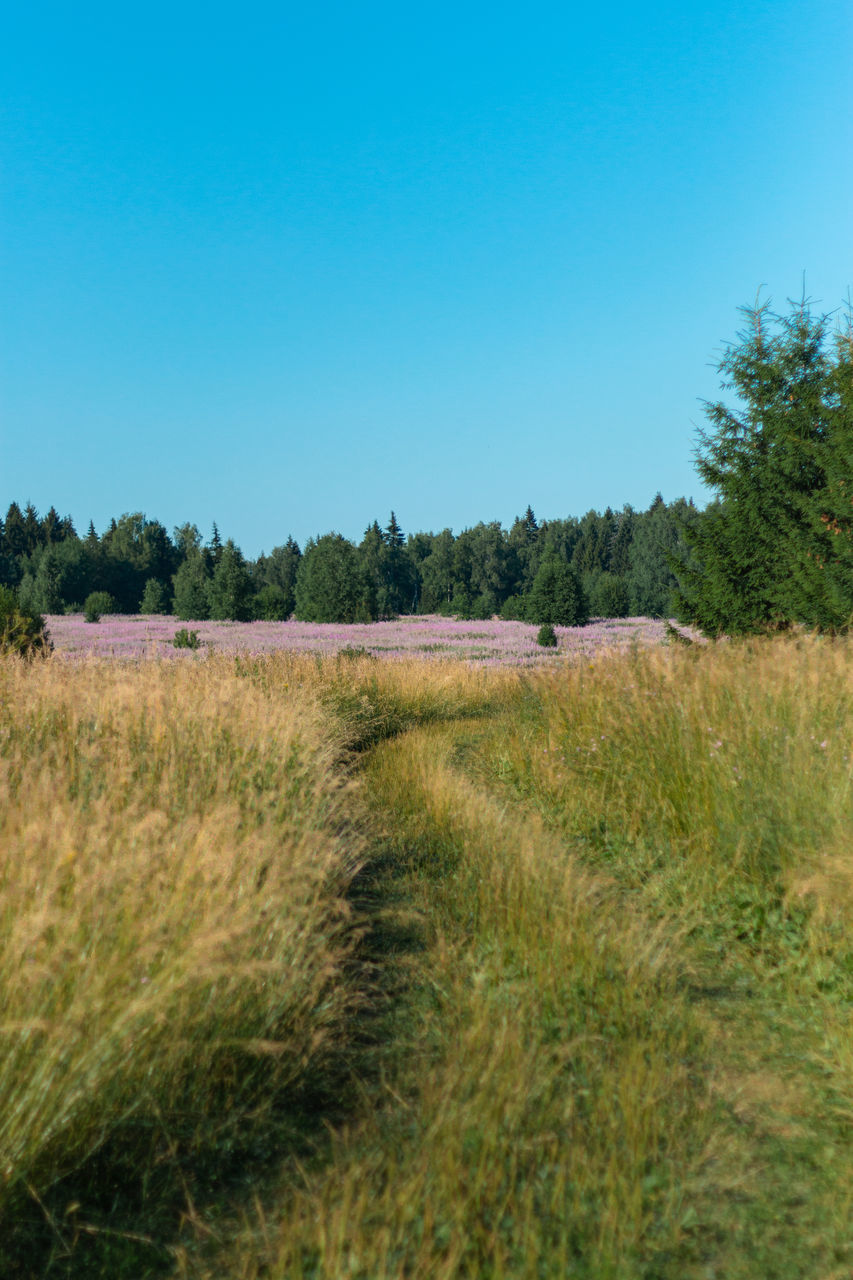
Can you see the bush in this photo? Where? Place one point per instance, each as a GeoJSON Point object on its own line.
{"type": "Point", "coordinates": [271, 604]}
{"type": "Point", "coordinates": [547, 636]}
{"type": "Point", "coordinates": [186, 639]}
{"type": "Point", "coordinates": [96, 603]}
{"type": "Point", "coordinates": [155, 597]}
{"type": "Point", "coordinates": [610, 597]}
{"type": "Point", "coordinates": [557, 595]}
{"type": "Point", "coordinates": [22, 632]}
{"type": "Point", "coordinates": [514, 609]}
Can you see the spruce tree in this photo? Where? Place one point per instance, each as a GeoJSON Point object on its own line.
{"type": "Point", "coordinates": [821, 586]}
{"type": "Point", "coordinates": [763, 459]}
{"type": "Point", "coordinates": [230, 589]}
{"type": "Point", "coordinates": [557, 595]}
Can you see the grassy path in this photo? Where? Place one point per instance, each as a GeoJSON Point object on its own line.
{"type": "Point", "coordinates": [602, 1060]}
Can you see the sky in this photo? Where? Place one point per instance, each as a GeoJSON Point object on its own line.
{"type": "Point", "coordinates": [290, 267]}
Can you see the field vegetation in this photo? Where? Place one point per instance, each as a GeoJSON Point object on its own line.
{"type": "Point", "coordinates": [327, 967]}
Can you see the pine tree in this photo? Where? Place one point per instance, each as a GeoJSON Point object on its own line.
{"type": "Point", "coordinates": [14, 532]}
{"type": "Point", "coordinates": [215, 544]}
{"type": "Point", "coordinates": [32, 529]}
{"type": "Point", "coordinates": [764, 461]}
{"type": "Point", "coordinates": [821, 586]}
{"type": "Point", "coordinates": [230, 590]}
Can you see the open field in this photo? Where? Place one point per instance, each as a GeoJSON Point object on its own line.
{"type": "Point", "coordinates": [345, 968]}
{"type": "Point", "coordinates": [492, 642]}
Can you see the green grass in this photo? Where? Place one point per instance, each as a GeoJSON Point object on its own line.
{"type": "Point", "coordinates": [584, 973]}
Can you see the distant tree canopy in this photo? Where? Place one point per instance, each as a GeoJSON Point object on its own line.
{"type": "Point", "coordinates": [332, 584]}
{"type": "Point", "coordinates": [619, 561]}
{"type": "Point", "coordinates": [777, 545]}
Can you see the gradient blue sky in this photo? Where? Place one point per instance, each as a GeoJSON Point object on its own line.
{"type": "Point", "coordinates": [287, 267]}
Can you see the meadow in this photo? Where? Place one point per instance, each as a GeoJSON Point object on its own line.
{"type": "Point", "coordinates": [328, 966]}
{"type": "Point", "coordinates": [431, 636]}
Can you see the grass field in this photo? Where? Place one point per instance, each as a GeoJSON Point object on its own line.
{"type": "Point", "coordinates": [332, 967]}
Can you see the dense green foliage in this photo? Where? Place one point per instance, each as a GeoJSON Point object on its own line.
{"type": "Point", "coordinates": [184, 639]}
{"type": "Point", "coordinates": [332, 585]}
{"type": "Point", "coordinates": [96, 604]}
{"type": "Point", "coordinates": [21, 631]}
{"type": "Point", "coordinates": [609, 563]}
{"type": "Point", "coordinates": [557, 595]}
{"type": "Point", "coordinates": [777, 546]}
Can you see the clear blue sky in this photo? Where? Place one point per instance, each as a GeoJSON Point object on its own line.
{"type": "Point", "coordinates": [290, 266]}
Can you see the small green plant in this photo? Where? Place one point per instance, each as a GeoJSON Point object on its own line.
{"type": "Point", "coordinates": [21, 631]}
{"type": "Point", "coordinates": [186, 639]}
{"type": "Point", "coordinates": [547, 636]}
{"type": "Point", "coordinates": [354, 651]}
{"type": "Point", "coordinates": [96, 603]}
{"type": "Point", "coordinates": [155, 598]}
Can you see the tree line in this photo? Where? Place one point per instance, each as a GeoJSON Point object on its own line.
{"type": "Point", "coordinates": [560, 571]}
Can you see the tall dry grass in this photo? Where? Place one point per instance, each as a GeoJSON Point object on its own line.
{"type": "Point", "coordinates": [701, 771]}
{"type": "Point", "coordinates": [611, 1024]}
{"type": "Point", "coordinates": [175, 847]}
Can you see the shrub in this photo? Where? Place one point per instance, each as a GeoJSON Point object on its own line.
{"type": "Point", "coordinates": [547, 636]}
{"type": "Point", "coordinates": [610, 597]}
{"type": "Point", "coordinates": [186, 639]}
{"type": "Point", "coordinates": [96, 603]}
{"type": "Point", "coordinates": [155, 597]}
{"type": "Point", "coordinates": [557, 595]}
{"type": "Point", "coordinates": [22, 632]}
{"type": "Point", "coordinates": [271, 604]}
{"type": "Point", "coordinates": [354, 651]}
{"type": "Point", "coordinates": [514, 609]}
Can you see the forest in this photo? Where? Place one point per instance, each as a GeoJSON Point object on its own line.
{"type": "Point", "coordinates": [613, 563]}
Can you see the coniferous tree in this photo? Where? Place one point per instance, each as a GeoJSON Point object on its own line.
{"type": "Point", "coordinates": [821, 586]}
{"type": "Point", "coordinates": [523, 541]}
{"type": "Point", "coordinates": [557, 595]}
{"type": "Point", "coordinates": [401, 585]}
{"type": "Point", "coordinates": [763, 459]}
{"type": "Point", "coordinates": [215, 544]}
{"type": "Point", "coordinates": [155, 598]}
{"type": "Point", "coordinates": [32, 529]}
{"type": "Point", "coordinates": [230, 590]}
{"type": "Point", "coordinates": [14, 532]}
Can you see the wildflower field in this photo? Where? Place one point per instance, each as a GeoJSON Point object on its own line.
{"type": "Point", "coordinates": [493, 641]}
{"type": "Point", "coordinates": [318, 967]}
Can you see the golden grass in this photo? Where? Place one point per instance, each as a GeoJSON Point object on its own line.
{"type": "Point", "coordinates": [540, 1108]}
{"type": "Point", "coordinates": [174, 851]}
{"type": "Point", "coordinates": [617, 1040]}
{"type": "Point", "coordinates": [590, 1084]}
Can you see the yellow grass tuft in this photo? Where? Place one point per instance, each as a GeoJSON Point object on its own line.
{"type": "Point", "coordinates": [174, 850]}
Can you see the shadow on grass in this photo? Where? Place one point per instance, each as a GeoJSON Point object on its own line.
{"type": "Point", "coordinates": [156, 1192]}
